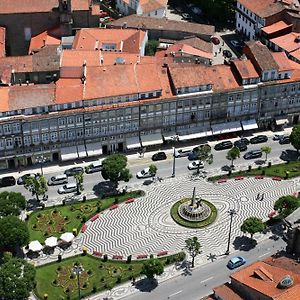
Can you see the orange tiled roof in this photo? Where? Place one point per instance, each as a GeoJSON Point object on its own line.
{"type": "Point", "coordinates": [18, 63]}
{"type": "Point", "coordinates": [76, 58]}
{"type": "Point", "coordinates": [187, 49]}
{"type": "Point", "coordinates": [36, 6]}
{"type": "Point", "coordinates": [41, 40]}
{"type": "Point", "coordinates": [280, 25]}
{"type": "Point", "coordinates": [198, 44]}
{"type": "Point", "coordinates": [287, 42]}
{"type": "Point", "coordinates": [109, 58]}
{"type": "Point", "coordinates": [68, 90]}
{"type": "Point", "coordinates": [245, 68]}
{"type": "Point", "coordinates": [263, 8]}
{"type": "Point", "coordinates": [2, 41]}
{"type": "Point", "coordinates": [224, 291]}
{"type": "Point", "coordinates": [282, 61]}
{"type": "Point", "coordinates": [267, 285]}
{"type": "Point", "coordinates": [4, 99]}
{"type": "Point", "coordinates": [127, 40]}
{"type": "Point", "coordinates": [152, 5]}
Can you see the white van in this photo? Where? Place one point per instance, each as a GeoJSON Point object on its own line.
{"type": "Point", "coordinates": [93, 167]}
{"type": "Point", "coordinates": [182, 152]}
{"type": "Point", "coordinates": [58, 179]}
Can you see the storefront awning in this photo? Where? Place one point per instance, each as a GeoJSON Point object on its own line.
{"type": "Point", "coordinates": [151, 139]}
{"type": "Point", "coordinates": [281, 121]}
{"type": "Point", "coordinates": [94, 149]}
{"type": "Point", "coordinates": [133, 142]}
{"type": "Point", "coordinates": [194, 135]}
{"type": "Point", "coordinates": [226, 127]}
{"type": "Point", "coordinates": [249, 124]}
{"type": "Point", "coordinates": [68, 153]}
{"type": "Point", "coordinates": [81, 151]}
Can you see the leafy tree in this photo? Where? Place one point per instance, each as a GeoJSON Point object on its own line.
{"type": "Point", "coordinates": [11, 204]}
{"type": "Point", "coordinates": [79, 182]}
{"type": "Point", "coordinates": [193, 246]}
{"type": "Point", "coordinates": [114, 168]}
{"type": "Point", "coordinates": [37, 186]}
{"type": "Point", "coordinates": [13, 233]}
{"type": "Point", "coordinates": [153, 169]}
{"type": "Point", "coordinates": [152, 267]}
{"type": "Point", "coordinates": [267, 150]}
{"type": "Point", "coordinates": [151, 47]}
{"type": "Point", "coordinates": [233, 154]}
{"type": "Point", "coordinates": [295, 137]}
{"type": "Point", "coordinates": [17, 279]}
{"type": "Point", "coordinates": [286, 205]}
{"type": "Point", "coordinates": [204, 154]}
{"type": "Point", "coordinates": [252, 225]}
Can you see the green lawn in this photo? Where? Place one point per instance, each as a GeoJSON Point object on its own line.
{"type": "Point", "coordinates": [56, 220]}
{"type": "Point", "coordinates": [56, 279]}
{"type": "Point", "coordinates": [293, 169]}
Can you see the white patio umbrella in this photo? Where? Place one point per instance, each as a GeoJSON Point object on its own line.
{"type": "Point", "coordinates": [35, 246]}
{"type": "Point", "coordinates": [67, 237]}
{"type": "Point", "coordinates": [51, 241]}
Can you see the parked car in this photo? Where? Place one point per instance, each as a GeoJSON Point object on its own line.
{"type": "Point", "coordinates": [186, 16]}
{"type": "Point", "coordinates": [278, 137]}
{"type": "Point", "coordinates": [235, 43]}
{"type": "Point", "coordinates": [68, 188]}
{"type": "Point", "coordinates": [21, 180]}
{"type": "Point", "coordinates": [242, 147]}
{"type": "Point", "coordinates": [145, 173]}
{"type": "Point", "coordinates": [193, 155]}
{"type": "Point", "coordinates": [227, 168]}
{"type": "Point", "coordinates": [195, 165]}
{"type": "Point", "coordinates": [182, 152]}
{"type": "Point", "coordinates": [227, 53]}
{"type": "Point", "coordinates": [159, 156]}
{"type": "Point", "coordinates": [259, 139]}
{"type": "Point", "coordinates": [93, 168]}
{"type": "Point", "coordinates": [58, 179]}
{"type": "Point", "coordinates": [73, 171]}
{"type": "Point", "coordinates": [243, 140]}
{"type": "Point", "coordinates": [224, 145]}
{"type": "Point", "coordinates": [236, 262]}
{"type": "Point", "coordinates": [7, 181]}
{"type": "Point", "coordinates": [253, 154]}
{"type": "Point", "coordinates": [285, 140]}
{"type": "Point", "coordinates": [215, 40]}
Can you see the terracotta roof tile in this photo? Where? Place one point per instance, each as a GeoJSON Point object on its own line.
{"type": "Point", "coordinates": [4, 99]}
{"type": "Point", "coordinates": [127, 40]}
{"type": "Point", "coordinates": [68, 90]}
{"type": "Point", "coordinates": [282, 61]}
{"type": "Point", "coordinates": [18, 63]}
{"type": "Point", "coordinates": [41, 40]}
{"type": "Point", "coordinates": [245, 69]}
{"type": "Point", "coordinates": [226, 292]}
{"type": "Point", "coordinates": [189, 50]}
{"type": "Point", "coordinates": [198, 44]}
{"type": "Point", "coordinates": [134, 21]}
{"type": "Point", "coordinates": [263, 8]}
{"type": "Point", "coordinates": [31, 96]}
{"type": "Point", "coordinates": [47, 59]}
{"type": "Point", "coordinates": [280, 25]}
{"type": "Point", "coordinates": [2, 41]}
{"type": "Point", "coordinates": [109, 58]}
{"type": "Point", "coordinates": [267, 286]}
{"type": "Point", "coordinates": [152, 5]}
{"type": "Point", "coordinates": [288, 42]}
{"type": "Point", "coordinates": [76, 58]}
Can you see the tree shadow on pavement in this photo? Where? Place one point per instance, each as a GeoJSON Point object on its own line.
{"type": "Point", "coordinates": [105, 188]}
{"type": "Point", "coordinates": [244, 243]}
{"type": "Point", "coordinates": [146, 285]}
{"type": "Point", "coordinates": [185, 266]}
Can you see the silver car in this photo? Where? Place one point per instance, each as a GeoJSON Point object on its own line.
{"type": "Point", "coordinates": [68, 188]}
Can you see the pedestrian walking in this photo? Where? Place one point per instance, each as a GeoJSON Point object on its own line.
{"type": "Point", "coordinates": [257, 196]}
{"type": "Point", "coordinates": [220, 49]}
{"type": "Point", "coordinates": [262, 196]}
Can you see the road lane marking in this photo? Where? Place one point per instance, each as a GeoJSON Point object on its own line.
{"type": "Point", "coordinates": [264, 254]}
{"type": "Point", "coordinates": [174, 294]}
{"type": "Point", "coordinates": [207, 279]}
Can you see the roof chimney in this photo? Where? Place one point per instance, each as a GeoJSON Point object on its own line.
{"type": "Point", "coordinates": [83, 78]}
{"type": "Point", "coordinates": [124, 25]}
{"type": "Point", "coordinates": [97, 45]}
{"type": "Point", "coordinates": [121, 45]}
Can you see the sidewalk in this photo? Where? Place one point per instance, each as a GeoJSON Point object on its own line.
{"type": "Point", "coordinates": [132, 158]}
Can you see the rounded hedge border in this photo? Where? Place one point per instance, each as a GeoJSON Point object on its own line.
{"type": "Point", "coordinates": [176, 217]}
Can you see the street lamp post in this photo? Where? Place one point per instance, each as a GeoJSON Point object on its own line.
{"type": "Point", "coordinates": [231, 212]}
{"type": "Point", "coordinates": [77, 270]}
{"type": "Point", "coordinates": [41, 159]}
{"type": "Point", "coordinates": [173, 170]}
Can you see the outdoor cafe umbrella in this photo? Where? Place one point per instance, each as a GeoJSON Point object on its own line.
{"type": "Point", "coordinates": [51, 241]}
{"type": "Point", "coordinates": [35, 246]}
{"type": "Point", "coordinates": [67, 237]}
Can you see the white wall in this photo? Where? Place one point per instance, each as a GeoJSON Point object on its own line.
{"type": "Point", "coordinates": [143, 44]}
{"type": "Point", "coordinates": [159, 13]}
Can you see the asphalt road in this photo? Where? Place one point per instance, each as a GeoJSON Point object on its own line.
{"type": "Point", "coordinates": [164, 168]}
{"type": "Point", "coordinates": [199, 282]}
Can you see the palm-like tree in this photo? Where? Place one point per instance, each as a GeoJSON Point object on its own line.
{"type": "Point", "coordinates": [267, 150]}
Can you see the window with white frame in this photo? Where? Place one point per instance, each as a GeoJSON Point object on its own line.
{"type": "Point", "coordinates": [53, 136]}
{"type": "Point", "coordinates": [45, 138]}
{"type": "Point", "coordinates": [27, 140]}
{"type": "Point", "coordinates": [35, 139]}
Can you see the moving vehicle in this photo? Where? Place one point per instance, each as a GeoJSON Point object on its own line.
{"type": "Point", "coordinates": [236, 262]}
{"type": "Point", "coordinates": [21, 180]}
{"type": "Point", "coordinates": [253, 154]}
{"type": "Point", "coordinates": [195, 165]}
{"type": "Point", "coordinates": [259, 139]}
{"type": "Point", "coordinates": [285, 140]}
{"type": "Point", "coordinates": [159, 156]}
{"type": "Point", "coordinates": [58, 179]}
{"type": "Point", "coordinates": [68, 188]}
{"type": "Point", "coordinates": [7, 181]}
{"type": "Point", "coordinates": [182, 152]}
{"type": "Point", "coordinates": [93, 168]}
{"type": "Point", "coordinates": [224, 145]}
{"type": "Point", "coordinates": [73, 171]}
{"type": "Point", "coordinates": [145, 173]}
